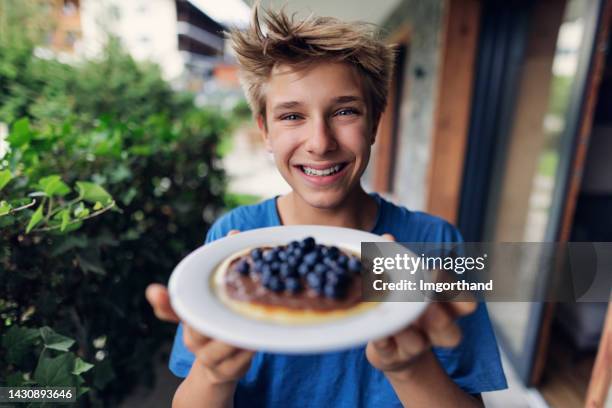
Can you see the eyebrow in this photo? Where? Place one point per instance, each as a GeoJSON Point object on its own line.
{"type": "Point", "coordinates": [347, 98]}
{"type": "Point", "coordinates": [286, 105]}
{"type": "Point", "coordinates": [294, 104]}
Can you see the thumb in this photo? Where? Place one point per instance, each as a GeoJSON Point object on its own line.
{"type": "Point", "coordinates": [232, 232]}
{"type": "Point", "coordinates": [158, 297]}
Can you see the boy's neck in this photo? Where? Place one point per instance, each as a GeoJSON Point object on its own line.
{"type": "Point", "coordinates": [358, 211]}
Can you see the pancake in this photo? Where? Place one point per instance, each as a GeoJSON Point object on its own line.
{"type": "Point", "coordinates": [286, 292]}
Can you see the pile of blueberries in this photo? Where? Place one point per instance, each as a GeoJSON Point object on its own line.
{"type": "Point", "coordinates": [302, 263]}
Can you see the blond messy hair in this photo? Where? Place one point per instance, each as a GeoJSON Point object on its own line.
{"type": "Point", "coordinates": [301, 43]}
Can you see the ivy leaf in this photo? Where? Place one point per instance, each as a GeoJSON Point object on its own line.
{"type": "Point", "coordinates": [55, 371]}
{"type": "Point", "coordinates": [82, 212]}
{"type": "Point", "coordinates": [55, 341]}
{"type": "Point", "coordinates": [20, 133]}
{"type": "Point", "coordinates": [5, 177]}
{"type": "Point", "coordinates": [53, 185]}
{"type": "Point", "coordinates": [36, 218]}
{"type": "Point", "coordinates": [65, 214]}
{"type": "Point", "coordinates": [16, 342]}
{"type": "Point", "coordinates": [81, 366]}
{"type": "Point", "coordinates": [5, 208]}
{"type": "Point", "coordinates": [92, 193]}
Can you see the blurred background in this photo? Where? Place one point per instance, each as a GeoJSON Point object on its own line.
{"type": "Point", "coordinates": [124, 134]}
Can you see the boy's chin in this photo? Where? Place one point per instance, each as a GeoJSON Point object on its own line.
{"type": "Point", "coordinates": [324, 200]}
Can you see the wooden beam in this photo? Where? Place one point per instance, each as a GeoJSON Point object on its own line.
{"type": "Point", "coordinates": [601, 377]}
{"type": "Point", "coordinates": [459, 47]}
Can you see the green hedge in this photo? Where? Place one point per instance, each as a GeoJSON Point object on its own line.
{"type": "Point", "coordinates": [107, 138]}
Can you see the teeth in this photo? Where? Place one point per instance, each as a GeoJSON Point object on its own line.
{"type": "Point", "coordinates": [323, 172]}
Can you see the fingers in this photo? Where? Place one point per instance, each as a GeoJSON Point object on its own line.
{"type": "Point", "coordinates": [157, 295]}
{"type": "Point", "coordinates": [410, 343]}
{"type": "Point", "coordinates": [397, 352]}
{"type": "Point", "coordinates": [384, 347]}
{"type": "Point", "coordinates": [388, 237]}
{"type": "Point", "coordinates": [463, 308]}
{"type": "Point", "coordinates": [232, 232]}
{"type": "Point", "coordinates": [215, 352]}
{"type": "Point", "coordinates": [193, 340]}
{"type": "Point", "coordinates": [439, 324]}
{"type": "Point", "coordinates": [237, 364]}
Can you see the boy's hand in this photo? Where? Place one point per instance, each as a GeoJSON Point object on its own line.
{"type": "Point", "coordinates": [221, 362]}
{"type": "Point", "coordinates": [396, 354]}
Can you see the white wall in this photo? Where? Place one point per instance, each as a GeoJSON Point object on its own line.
{"type": "Point", "coordinates": [147, 28]}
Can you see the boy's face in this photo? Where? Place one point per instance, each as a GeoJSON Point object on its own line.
{"type": "Point", "coordinates": [318, 130]}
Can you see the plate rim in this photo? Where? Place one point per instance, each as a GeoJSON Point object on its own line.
{"type": "Point", "coordinates": [187, 315]}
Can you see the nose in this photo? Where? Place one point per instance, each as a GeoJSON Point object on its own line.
{"type": "Point", "coordinates": [321, 139]}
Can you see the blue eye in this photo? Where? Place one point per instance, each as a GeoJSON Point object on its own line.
{"type": "Point", "coordinates": [346, 112]}
{"type": "Point", "coordinates": [291, 116]}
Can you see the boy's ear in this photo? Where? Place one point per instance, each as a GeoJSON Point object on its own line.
{"type": "Point", "coordinates": [261, 124]}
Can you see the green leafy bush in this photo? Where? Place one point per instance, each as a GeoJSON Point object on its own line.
{"type": "Point", "coordinates": [107, 138]}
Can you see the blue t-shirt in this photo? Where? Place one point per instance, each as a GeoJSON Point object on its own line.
{"type": "Point", "coordinates": [346, 378]}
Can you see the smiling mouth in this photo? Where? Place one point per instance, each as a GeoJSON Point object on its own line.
{"type": "Point", "coordinates": [331, 170]}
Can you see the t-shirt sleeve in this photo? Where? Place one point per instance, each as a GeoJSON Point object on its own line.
{"type": "Point", "coordinates": [181, 358]}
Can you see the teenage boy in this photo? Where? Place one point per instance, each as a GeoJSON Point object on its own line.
{"type": "Point", "coordinates": [317, 89]}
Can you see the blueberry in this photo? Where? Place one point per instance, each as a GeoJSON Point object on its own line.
{"type": "Point", "coordinates": [354, 265]}
{"type": "Point", "coordinates": [333, 252]}
{"type": "Point", "coordinates": [330, 262]}
{"type": "Point", "coordinates": [275, 284]}
{"type": "Point", "coordinates": [286, 270]}
{"type": "Point", "coordinates": [282, 255]}
{"type": "Point", "coordinates": [298, 253]}
{"type": "Point", "coordinates": [266, 271]}
{"type": "Point", "coordinates": [342, 260]}
{"type": "Point", "coordinates": [275, 266]}
{"type": "Point", "coordinates": [311, 258]}
{"type": "Point", "coordinates": [265, 279]}
{"type": "Point", "coordinates": [333, 291]}
{"type": "Point", "coordinates": [292, 261]}
{"type": "Point", "coordinates": [308, 243]}
{"type": "Point", "coordinates": [269, 256]}
{"type": "Point", "coordinates": [336, 278]}
{"type": "Point", "coordinates": [293, 285]}
{"type": "Point", "coordinates": [303, 269]}
{"type": "Point", "coordinates": [314, 281]}
{"type": "Point", "coordinates": [293, 245]}
{"type": "Point", "coordinates": [340, 271]}
{"type": "Point", "coordinates": [256, 254]}
{"type": "Point", "coordinates": [243, 267]}
{"type": "Point", "coordinates": [258, 265]}
{"type": "Point", "coordinates": [320, 269]}
{"type": "Point", "coordinates": [323, 250]}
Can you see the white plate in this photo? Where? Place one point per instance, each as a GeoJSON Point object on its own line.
{"type": "Point", "coordinates": [195, 302]}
